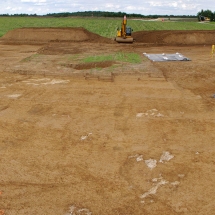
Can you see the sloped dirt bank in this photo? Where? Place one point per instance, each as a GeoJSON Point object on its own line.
{"type": "Point", "coordinates": [44, 35]}
{"type": "Point", "coordinates": [175, 37]}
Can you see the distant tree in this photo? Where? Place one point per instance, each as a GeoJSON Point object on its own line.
{"type": "Point", "coordinates": [205, 13]}
{"type": "Point", "coordinates": [4, 14]}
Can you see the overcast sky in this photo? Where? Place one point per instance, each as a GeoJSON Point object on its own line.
{"type": "Point", "coordinates": [144, 7]}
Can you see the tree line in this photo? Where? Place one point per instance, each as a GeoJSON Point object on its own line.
{"type": "Point", "coordinates": [200, 15]}
{"type": "Point", "coordinates": [99, 14]}
{"type": "Point", "coordinates": [112, 14]}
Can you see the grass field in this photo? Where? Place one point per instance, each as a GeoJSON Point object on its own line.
{"type": "Point", "coordinates": [103, 26]}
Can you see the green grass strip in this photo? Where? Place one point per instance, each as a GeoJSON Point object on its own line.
{"type": "Point", "coordinates": [119, 56]}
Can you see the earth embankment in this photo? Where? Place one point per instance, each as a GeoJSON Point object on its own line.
{"type": "Point", "coordinates": [44, 35]}
{"type": "Point", "coordinates": [161, 37]}
{"type": "Point", "coordinates": [191, 37]}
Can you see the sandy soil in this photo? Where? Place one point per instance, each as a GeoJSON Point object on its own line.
{"type": "Point", "coordinates": [123, 139]}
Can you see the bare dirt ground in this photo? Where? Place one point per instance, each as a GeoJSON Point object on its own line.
{"type": "Point", "coordinates": [110, 137]}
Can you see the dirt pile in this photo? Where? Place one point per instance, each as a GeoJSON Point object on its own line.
{"type": "Point", "coordinates": [176, 37]}
{"type": "Point", "coordinates": [44, 35]}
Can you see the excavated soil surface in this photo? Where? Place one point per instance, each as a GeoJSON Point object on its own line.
{"type": "Point", "coordinates": [107, 137]}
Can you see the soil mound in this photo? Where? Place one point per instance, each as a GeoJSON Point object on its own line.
{"type": "Point", "coordinates": [175, 37]}
{"type": "Point", "coordinates": [44, 35]}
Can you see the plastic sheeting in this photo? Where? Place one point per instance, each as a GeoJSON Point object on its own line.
{"type": "Point", "coordinates": [166, 57]}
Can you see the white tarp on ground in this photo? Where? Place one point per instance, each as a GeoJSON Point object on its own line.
{"type": "Point", "coordinates": [166, 57]}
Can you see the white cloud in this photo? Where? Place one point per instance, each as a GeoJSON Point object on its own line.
{"type": "Point", "coordinates": [148, 7]}
{"type": "Point", "coordinates": [16, 9]}
{"type": "Point", "coordinates": [40, 4]}
{"type": "Point", "coordinates": [156, 4]}
{"type": "Point", "coordinates": [37, 1]}
{"type": "Point", "coordinates": [174, 4]}
{"type": "Point", "coordinates": [109, 6]}
{"type": "Point", "coordinates": [184, 6]}
{"type": "Point", "coordinates": [131, 8]}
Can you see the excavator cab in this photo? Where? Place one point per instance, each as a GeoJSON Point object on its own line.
{"type": "Point", "coordinates": [128, 31]}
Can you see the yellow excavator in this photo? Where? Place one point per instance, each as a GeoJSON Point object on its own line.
{"type": "Point", "coordinates": [124, 34]}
